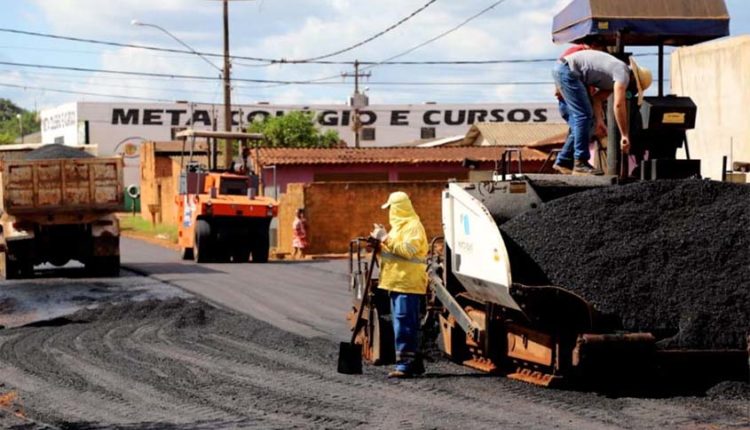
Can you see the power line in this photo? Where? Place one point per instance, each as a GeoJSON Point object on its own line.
{"type": "Point", "coordinates": [414, 48]}
{"type": "Point", "coordinates": [126, 45]}
{"type": "Point", "coordinates": [369, 39]}
{"type": "Point", "coordinates": [88, 82]}
{"type": "Point", "coordinates": [85, 93]}
{"type": "Point", "coordinates": [443, 34]}
{"type": "Point", "coordinates": [264, 81]}
{"type": "Point", "coordinates": [270, 61]}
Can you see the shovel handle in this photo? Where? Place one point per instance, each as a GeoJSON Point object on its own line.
{"type": "Point", "coordinates": [366, 292]}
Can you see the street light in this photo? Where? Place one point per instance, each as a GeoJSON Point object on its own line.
{"type": "Point", "coordinates": [158, 27]}
{"type": "Point", "coordinates": [224, 73]}
{"type": "Point", "coordinates": [20, 124]}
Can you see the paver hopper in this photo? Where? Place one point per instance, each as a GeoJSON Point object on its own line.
{"type": "Point", "coordinates": [539, 334]}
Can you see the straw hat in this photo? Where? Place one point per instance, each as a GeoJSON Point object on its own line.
{"type": "Point", "coordinates": [643, 78]}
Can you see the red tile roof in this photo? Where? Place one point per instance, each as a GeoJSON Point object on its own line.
{"type": "Point", "coordinates": [401, 155]}
{"type": "Point", "coordinates": [550, 142]}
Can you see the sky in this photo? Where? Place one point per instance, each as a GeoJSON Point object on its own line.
{"type": "Point", "coordinates": [286, 29]}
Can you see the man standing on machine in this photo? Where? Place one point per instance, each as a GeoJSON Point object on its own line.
{"type": "Point", "coordinates": [573, 75]}
{"type": "Point", "coordinates": [403, 251]}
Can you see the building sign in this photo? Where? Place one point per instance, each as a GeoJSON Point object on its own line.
{"type": "Point", "coordinates": [120, 128]}
{"type": "Point", "coordinates": [59, 120]}
{"type": "Point", "coordinates": [338, 117]}
{"type": "Point", "coordinates": [60, 125]}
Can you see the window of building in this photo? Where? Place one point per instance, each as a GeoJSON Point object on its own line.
{"type": "Point", "coordinates": [368, 133]}
{"type": "Point", "coordinates": [427, 133]}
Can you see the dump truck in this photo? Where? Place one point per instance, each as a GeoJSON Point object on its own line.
{"type": "Point", "coordinates": [223, 214]}
{"type": "Point", "coordinates": [59, 209]}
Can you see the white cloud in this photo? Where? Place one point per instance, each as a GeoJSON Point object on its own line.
{"type": "Point", "coordinates": [304, 28]}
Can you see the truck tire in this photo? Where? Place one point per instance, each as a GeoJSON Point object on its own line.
{"type": "Point", "coordinates": [186, 253]}
{"type": "Point", "coordinates": [241, 254]}
{"type": "Point", "coordinates": [261, 245]}
{"type": "Point", "coordinates": [11, 269]}
{"type": "Point", "coordinates": [104, 266]}
{"type": "Point", "coordinates": [202, 252]}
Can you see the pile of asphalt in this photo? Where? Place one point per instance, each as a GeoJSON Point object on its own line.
{"type": "Point", "coordinates": [669, 257]}
{"type": "Point", "coordinates": [56, 151]}
{"type": "Point", "coordinates": [732, 390]}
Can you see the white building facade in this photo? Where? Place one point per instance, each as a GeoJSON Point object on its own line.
{"type": "Point", "coordinates": [120, 128]}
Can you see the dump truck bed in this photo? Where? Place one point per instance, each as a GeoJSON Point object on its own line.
{"type": "Point", "coordinates": [53, 186]}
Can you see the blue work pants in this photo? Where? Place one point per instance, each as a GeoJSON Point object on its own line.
{"type": "Point", "coordinates": [566, 153]}
{"type": "Point", "coordinates": [579, 110]}
{"type": "Point", "coordinates": [405, 313]}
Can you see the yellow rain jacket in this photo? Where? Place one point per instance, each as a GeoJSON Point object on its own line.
{"type": "Point", "coordinates": [403, 254]}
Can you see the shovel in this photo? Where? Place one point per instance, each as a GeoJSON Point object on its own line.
{"type": "Point", "coordinates": [350, 353]}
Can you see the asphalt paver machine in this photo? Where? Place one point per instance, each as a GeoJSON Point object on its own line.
{"type": "Point", "coordinates": [549, 335]}
{"type": "Point", "coordinates": [223, 214]}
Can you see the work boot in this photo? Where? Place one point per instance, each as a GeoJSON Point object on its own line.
{"type": "Point", "coordinates": [564, 167]}
{"type": "Point", "coordinates": [417, 368]}
{"type": "Point", "coordinates": [582, 167]}
{"type": "Point", "coordinates": [397, 374]}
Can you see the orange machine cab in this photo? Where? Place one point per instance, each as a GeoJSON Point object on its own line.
{"type": "Point", "coordinates": [222, 219]}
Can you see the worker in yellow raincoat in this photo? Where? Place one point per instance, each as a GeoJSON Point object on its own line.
{"type": "Point", "coordinates": [403, 273]}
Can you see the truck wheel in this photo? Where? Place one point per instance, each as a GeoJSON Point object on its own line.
{"type": "Point", "coordinates": [105, 266]}
{"type": "Point", "coordinates": [241, 254]}
{"type": "Point", "coordinates": [186, 253]}
{"type": "Point", "coordinates": [202, 250]}
{"type": "Point", "coordinates": [10, 269]}
{"type": "Point", "coordinates": [261, 245]}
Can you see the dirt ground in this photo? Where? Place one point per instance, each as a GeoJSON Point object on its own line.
{"type": "Point", "coordinates": [180, 363]}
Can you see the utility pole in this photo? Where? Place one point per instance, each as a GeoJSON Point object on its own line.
{"type": "Point", "coordinates": [227, 88]}
{"type": "Point", "coordinates": [20, 125]}
{"type": "Point", "coordinates": [357, 100]}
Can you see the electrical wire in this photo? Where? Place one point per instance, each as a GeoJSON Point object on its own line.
{"type": "Point", "coordinates": [88, 82]}
{"type": "Point", "coordinates": [85, 93]}
{"type": "Point", "coordinates": [271, 61]}
{"type": "Point", "coordinates": [264, 81]}
{"type": "Point", "coordinates": [414, 48]}
{"type": "Point", "coordinates": [441, 35]}
{"type": "Point", "coordinates": [127, 45]}
{"type": "Point", "coordinates": [368, 40]}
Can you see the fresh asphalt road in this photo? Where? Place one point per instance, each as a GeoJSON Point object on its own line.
{"type": "Point", "coordinates": [309, 298]}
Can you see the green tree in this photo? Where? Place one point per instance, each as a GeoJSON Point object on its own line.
{"type": "Point", "coordinates": [9, 121]}
{"type": "Point", "coordinates": [294, 130]}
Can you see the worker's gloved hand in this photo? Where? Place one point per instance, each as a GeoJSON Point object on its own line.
{"type": "Point", "coordinates": [379, 232]}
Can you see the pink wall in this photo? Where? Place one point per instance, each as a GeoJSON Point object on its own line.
{"type": "Point", "coordinates": [305, 173]}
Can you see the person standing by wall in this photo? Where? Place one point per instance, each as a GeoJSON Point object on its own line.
{"type": "Point", "coordinates": [299, 232]}
{"type": "Point", "coordinates": [403, 274]}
